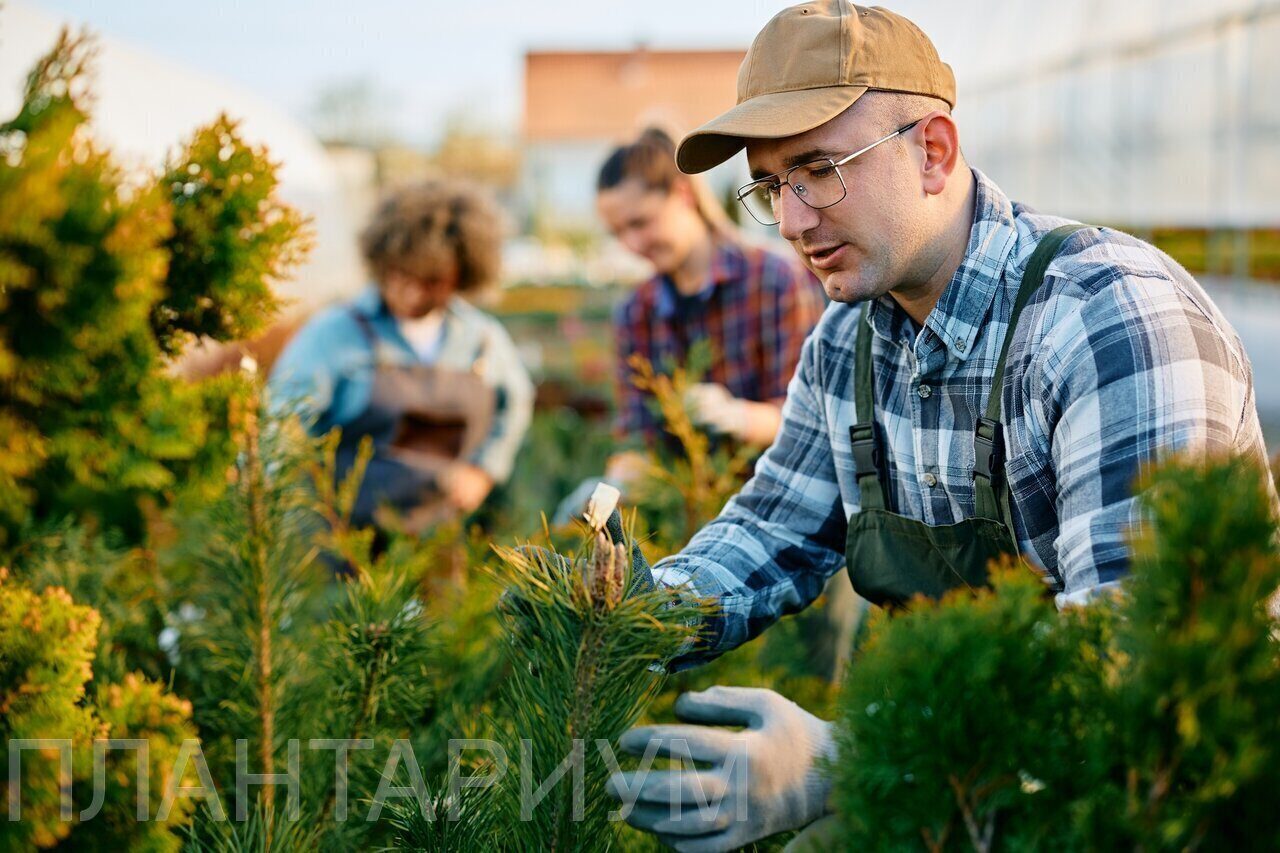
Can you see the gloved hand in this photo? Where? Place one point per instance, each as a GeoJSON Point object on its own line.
{"type": "Point", "coordinates": [715, 409]}
{"type": "Point", "coordinates": [764, 780]}
{"type": "Point", "coordinates": [466, 486]}
{"type": "Point", "coordinates": [712, 407]}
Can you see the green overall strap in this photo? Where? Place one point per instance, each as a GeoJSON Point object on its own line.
{"type": "Point", "coordinates": [988, 440]}
{"type": "Point", "coordinates": [868, 455]}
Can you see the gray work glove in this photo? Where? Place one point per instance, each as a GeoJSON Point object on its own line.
{"type": "Point", "coordinates": [764, 779]}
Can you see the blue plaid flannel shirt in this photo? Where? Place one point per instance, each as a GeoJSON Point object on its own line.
{"type": "Point", "coordinates": [1119, 357]}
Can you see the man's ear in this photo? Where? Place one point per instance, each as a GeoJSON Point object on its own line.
{"type": "Point", "coordinates": [941, 140]}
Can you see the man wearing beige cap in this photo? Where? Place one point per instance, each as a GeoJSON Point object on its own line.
{"type": "Point", "coordinates": [987, 380]}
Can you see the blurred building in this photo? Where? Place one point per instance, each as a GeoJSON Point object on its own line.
{"type": "Point", "coordinates": [579, 104]}
{"type": "Point", "coordinates": [1146, 113]}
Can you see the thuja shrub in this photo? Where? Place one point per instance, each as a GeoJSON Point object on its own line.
{"type": "Point", "coordinates": [49, 730]}
{"type": "Point", "coordinates": [1148, 720]}
{"type": "Point", "coordinates": [105, 277]}
{"type": "Point", "coordinates": [46, 653]}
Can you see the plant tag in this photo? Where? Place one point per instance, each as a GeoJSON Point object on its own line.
{"type": "Point", "coordinates": [603, 501]}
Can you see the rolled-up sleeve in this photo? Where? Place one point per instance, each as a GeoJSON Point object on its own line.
{"type": "Point", "coordinates": [774, 545]}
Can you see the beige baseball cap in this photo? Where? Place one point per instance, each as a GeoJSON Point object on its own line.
{"type": "Point", "coordinates": [809, 64]}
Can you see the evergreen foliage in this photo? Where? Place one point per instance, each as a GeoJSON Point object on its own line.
{"type": "Point", "coordinates": [46, 650]}
{"type": "Point", "coordinates": [684, 490]}
{"type": "Point", "coordinates": [124, 585]}
{"type": "Point", "coordinates": [993, 722]}
{"type": "Point", "coordinates": [142, 710]}
{"type": "Point", "coordinates": [231, 239]}
{"type": "Point", "coordinates": [104, 277]}
{"type": "Point", "coordinates": [47, 645]}
{"type": "Point", "coordinates": [585, 659]}
{"type": "Point", "coordinates": [283, 652]}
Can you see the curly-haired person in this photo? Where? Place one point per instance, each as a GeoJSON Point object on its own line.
{"type": "Point", "coordinates": [384, 359]}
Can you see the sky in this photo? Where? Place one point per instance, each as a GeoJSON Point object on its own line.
{"type": "Point", "coordinates": [427, 60]}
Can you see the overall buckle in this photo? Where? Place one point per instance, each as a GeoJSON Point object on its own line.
{"type": "Point", "coordinates": [866, 450]}
{"type": "Point", "coordinates": [988, 449]}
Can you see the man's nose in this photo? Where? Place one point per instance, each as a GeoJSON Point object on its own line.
{"type": "Point", "coordinates": [794, 216]}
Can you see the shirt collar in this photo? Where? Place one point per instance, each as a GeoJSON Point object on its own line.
{"type": "Point", "coordinates": [966, 301]}
{"type": "Point", "coordinates": [728, 263]}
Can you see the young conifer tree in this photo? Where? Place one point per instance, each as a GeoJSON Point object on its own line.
{"type": "Point", "coordinates": [994, 722]}
{"type": "Point", "coordinates": [47, 647]}
{"type": "Point", "coordinates": [586, 644]}
{"type": "Point", "coordinates": [682, 493]}
{"type": "Point", "coordinates": [288, 654]}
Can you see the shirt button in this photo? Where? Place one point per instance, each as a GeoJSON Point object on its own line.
{"type": "Point", "coordinates": [924, 392]}
{"type": "Point", "coordinates": [929, 479]}
{"type": "Point", "coordinates": [961, 345]}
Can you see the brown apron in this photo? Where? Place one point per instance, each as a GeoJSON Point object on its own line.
{"type": "Point", "coordinates": [421, 418]}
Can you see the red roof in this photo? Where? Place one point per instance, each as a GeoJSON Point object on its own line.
{"type": "Point", "coordinates": [595, 95]}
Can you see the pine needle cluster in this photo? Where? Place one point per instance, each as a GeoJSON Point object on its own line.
{"type": "Point", "coordinates": [285, 649]}
{"type": "Point", "coordinates": [586, 648]}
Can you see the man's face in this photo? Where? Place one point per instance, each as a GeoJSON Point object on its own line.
{"type": "Point", "coordinates": [659, 227]}
{"type": "Point", "coordinates": [863, 246]}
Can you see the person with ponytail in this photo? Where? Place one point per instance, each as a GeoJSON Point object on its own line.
{"type": "Point", "coordinates": [753, 307]}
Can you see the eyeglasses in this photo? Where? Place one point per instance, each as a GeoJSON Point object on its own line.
{"type": "Point", "coordinates": [817, 183]}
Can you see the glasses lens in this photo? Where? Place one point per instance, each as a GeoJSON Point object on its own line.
{"type": "Point", "coordinates": [758, 203]}
{"type": "Point", "coordinates": [818, 184]}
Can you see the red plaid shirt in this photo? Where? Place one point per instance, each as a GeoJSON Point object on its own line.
{"type": "Point", "coordinates": [756, 311]}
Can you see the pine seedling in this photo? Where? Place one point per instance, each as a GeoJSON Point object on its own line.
{"type": "Point", "coordinates": [697, 480]}
{"type": "Point", "coordinates": [586, 651]}
{"type": "Point", "coordinates": [258, 592]}
{"type": "Point", "coordinates": [289, 651]}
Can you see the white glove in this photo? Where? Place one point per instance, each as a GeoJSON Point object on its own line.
{"type": "Point", "coordinates": [712, 407]}
{"type": "Point", "coordinates": [763, 780]}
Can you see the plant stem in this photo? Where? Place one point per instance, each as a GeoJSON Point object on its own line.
{"type": "Point", "coordinates": [257, 533]}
